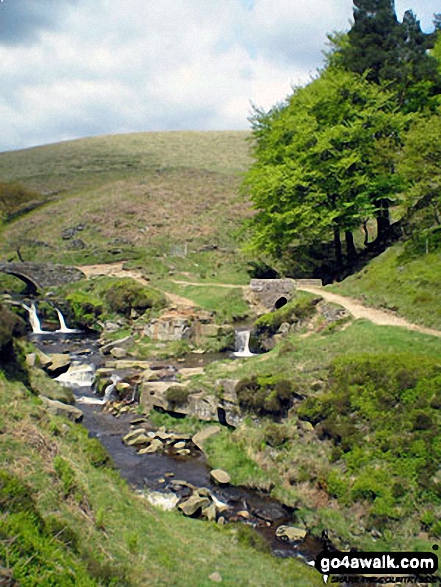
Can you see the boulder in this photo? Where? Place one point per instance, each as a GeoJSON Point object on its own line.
{"type": "Point", "coordinates": [59, 409]}
{"type": "Point", "coordinates": [164, 501]}
{"type": "Point", "coordinates": [133, 434]}
{"type": "Point", "coordinates": [193, 504]}
{"type": "Point", "coordinates": [58, 362]}
{"type": "Point", "coordinates": [200, 437]}
{"type": "Point", "coordinates": [141, 439]}
{"type": "Point", "coordinates": [169, 327]}
{"type": "Point", "coordinates": [215, 577]}
{"type": "Point", "coordinates": [153, 447]}
{"type": "Point", "coordinates": [227, 389]}
{"type": "Point", "coordinates": [290, 533]}
{"type": "Point", "coordinates": [220, 476]}
{"type": "Point", "coordinates": [118, 352]}
{"type": "Point", "coordinates": [43, 359]}
{"type": "Point", "coordinates": [122, 343]}
{"type": "Point", "coordinates": [210, 512]}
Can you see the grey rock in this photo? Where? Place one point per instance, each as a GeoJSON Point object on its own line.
{"type": "Point", "coordinates": [220, 476]}
{"type": "Point", "coordinates": [118, 352]}
{"type": "Point", "coordinates": [122, 343]}
{"type": "Point", "coordinates": [59, 409]}
{"type": "Point", "coordinates": [153, 447]}
{"type": "Point", "coordinates": [210, 512]}
{"type": "Point", "coordinates": [193, 504]}
{"type": "Point", "coordinates": [133, 435]}
{"type": "Point", "coordinates": [59, 361]}
{"type": "Point", "coordinates": [290, 533]}
{"type": "Point", "coordinates": [200, 437]}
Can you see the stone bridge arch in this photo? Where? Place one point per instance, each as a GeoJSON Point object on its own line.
{"type": "Point", "coordinates": [273, 294]}
{"type": "Point", "coordinates": [41, 276]}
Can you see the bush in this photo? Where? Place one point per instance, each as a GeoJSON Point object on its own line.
{"type": "Point", "coordinates": [276, 435]}
{"type": "Point", "coordinates": [127, 294]}
{"type": "Point", "coordinates": [15, 199]}
{"type": "Point", "coordinates": [66, 475]}
{"type": "Point", "coordinates": [176, 395]}
{"type": "Point", "coordinates": [293, 312]}
{"type": "Point", "coordinates": [266, 395]}
{"type": "Point", "coordinates": [16, 497]}
{"type": "Point", "coordinates": [86, 307]}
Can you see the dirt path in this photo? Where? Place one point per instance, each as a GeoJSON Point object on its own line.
{"type": "Point", "coordinates": [354, 307]}
{"type": "Point", "coordinates": [206, 284]}
{"type": "Point", "coordinates": [117, 270]}
{"type": "Point", "coordinates": [376, 316]}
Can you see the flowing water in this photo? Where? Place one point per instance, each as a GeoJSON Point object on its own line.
{"type": "Point", "coordinates": [242, 337]}
{"type": "Point", "coordinates": [159, 473]}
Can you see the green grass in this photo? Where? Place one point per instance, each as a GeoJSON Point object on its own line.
{"type": "Point", "coordinates": [409, 285]}
{"type": "Point", "coordinates": [138, 197]}
{"type": "Point", "coordinates": [307, 357]}
{"type": "Point", "coordinates": [228, 303]}
{"type": "Point", "coordinates": [79, 524]}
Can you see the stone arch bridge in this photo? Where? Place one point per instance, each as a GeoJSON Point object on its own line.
{"type": "Point", "coordinates": [42, 276]}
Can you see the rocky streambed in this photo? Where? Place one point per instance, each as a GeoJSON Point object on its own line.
{"type": "Point", "coordinates": [169, 468]}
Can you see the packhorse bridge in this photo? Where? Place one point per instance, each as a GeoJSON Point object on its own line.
{"type": "Point", "coordinates": [42, 276]}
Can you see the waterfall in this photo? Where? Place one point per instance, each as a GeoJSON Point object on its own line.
{"type": "Point", "coordinates": [34, 320]}
{"type": "Point", "coordinates": [111, 388]}
{"type": "Point", "coordinates": [95, 401]}
{"type": "Point", "coordinates": [63, 328]}
{"type": "Point", "coordinates": [78, 375]}
{"type": "Point", "coordinates": [243, 343]}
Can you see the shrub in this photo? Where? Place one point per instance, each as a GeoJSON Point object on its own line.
{"type": "Point", "coordinates": [177, 395]}
{"type": "Point", "coordinates": [266, 395]}
{"type": "Point", "coordinates": [293, 312]}
{"type": "Point", "coordinates": [127, 294]}
{"type": "Point", "coordinates": [66, 475]}
{"type": "Point", "coordinates": [16, 497]}
{"type": "Point", "coordinates": [276, 435]}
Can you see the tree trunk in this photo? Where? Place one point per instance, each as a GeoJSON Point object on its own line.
{"type": "Point", "coordinates": [383, 221]}
{"type": "Point", "coordinates": [366, 233]}
{"type": "Point", "coordinates": [351, 251]}
{"type": "Point", "coordinates": [338, 248]}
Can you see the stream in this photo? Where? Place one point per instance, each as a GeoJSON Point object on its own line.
{"type": "Point", "coordinates": [169, 472]}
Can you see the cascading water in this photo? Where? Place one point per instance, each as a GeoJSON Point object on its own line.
{"type": "Point", "coordinates": [107, 395]}
{"type": "Point", "coordinates": [63, 327]}
{"type": "Point", "coordinates": [243, 343]}
{"type": "Point", "coordinates": [78, 375]}
{"type": "Point", "coordinates": [34, 320]}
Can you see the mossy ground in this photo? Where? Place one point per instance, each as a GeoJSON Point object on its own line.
{"type": "Point", "coordinates": [400, 281]}
{"type": "Point", "coordinates": [69, 520]}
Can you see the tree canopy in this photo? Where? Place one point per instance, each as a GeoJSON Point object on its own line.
{"type": "Point", "coordinates": [324, 162]}
{"type": "Point", "coordinates": [326, 159]}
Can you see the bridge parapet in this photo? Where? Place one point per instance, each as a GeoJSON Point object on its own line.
{"type": "Point", "coordinates": [41, 276]}
{"type": "Point", "coordinates": [274, 293]}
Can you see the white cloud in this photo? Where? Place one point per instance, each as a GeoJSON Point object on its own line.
{"type": "Point", "coordinates": [157, 64]}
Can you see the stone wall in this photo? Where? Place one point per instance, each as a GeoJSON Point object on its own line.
{"type": "Point", "coordinates": [269, 293]}
{"type": "Point", "coordinates": [41, 276]}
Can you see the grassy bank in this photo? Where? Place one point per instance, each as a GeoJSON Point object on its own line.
{"type": "Point", "coordinates": [138, 196]}
{"type": "Point", "coordinates": [407, 284]}
{"type": "Point", "coordinates": [68, 519]}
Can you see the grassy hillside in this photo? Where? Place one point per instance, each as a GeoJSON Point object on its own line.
{"type": "Point", "coordinates": [68, 519]}
{"type": "Point", "coordinates": [133, 196]}
{"type": "Point", "coordinates": [408, 284]}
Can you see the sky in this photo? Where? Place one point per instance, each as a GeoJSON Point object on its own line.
{"type": "Point", "coordinates": [76, 68]}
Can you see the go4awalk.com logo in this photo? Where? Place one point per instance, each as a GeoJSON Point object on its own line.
{"type": "Point", "coordinates": [383, 567]}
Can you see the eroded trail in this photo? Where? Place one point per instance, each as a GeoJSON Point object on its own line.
{"type": "Point", "coordinates": [117, 270]}
{"type": "Point", "coordinates": [357, 310]}
{"type": "Point", "coordinates": [354, 307]}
